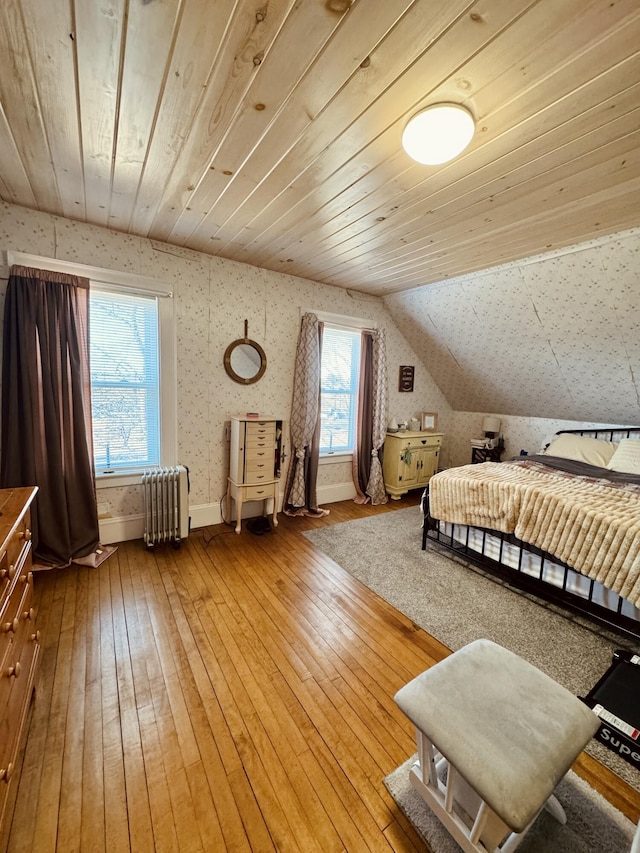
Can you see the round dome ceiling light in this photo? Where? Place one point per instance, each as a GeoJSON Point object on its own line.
{"type": "Point", "coordinates": [438, 133]}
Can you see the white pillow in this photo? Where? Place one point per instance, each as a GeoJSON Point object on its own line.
{"type": "Point", "coordinates": [581, 448]}
{"type": "Point", "coordinates": [627, 457]}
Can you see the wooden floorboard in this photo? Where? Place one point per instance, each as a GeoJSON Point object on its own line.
{"type": "Point", "coordinates": [235, 695]}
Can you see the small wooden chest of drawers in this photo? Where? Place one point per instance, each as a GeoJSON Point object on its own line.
{"type": "Point", "coordinates": [19, 638]}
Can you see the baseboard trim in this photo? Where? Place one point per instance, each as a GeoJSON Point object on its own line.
{"type": "Point", "coordinates": [124, 528]}
{"type": "Point", "coordinates": [121, 529]}
{"type": "Point", "coordinates": [338, 492]}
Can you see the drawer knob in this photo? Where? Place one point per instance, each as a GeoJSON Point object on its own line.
{"type": "Point", "coordinates": [35, 638]}
{"type": "Point", "coordinates": [25, 534]}
{"type": "Point", "coordinates": [15, 670]}
{"type": "Point", "coordinates": [12, 571]}
{"type": "Point", "coordinates": [6, 773]}
{"type": "Point", "coordinates": [11, 626]}
{"type": "Point", "coordinates": [29, 614]}
{"type": "Point", "coordinates": [28, 578]}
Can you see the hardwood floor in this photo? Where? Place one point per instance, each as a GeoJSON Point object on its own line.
{"type": "Point", "coordinates": [235, 695]}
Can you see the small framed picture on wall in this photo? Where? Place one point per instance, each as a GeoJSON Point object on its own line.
{"type": "Point", "coordinates": [406, 377]}
{"type": "Point", "coordinates": [429, 421]}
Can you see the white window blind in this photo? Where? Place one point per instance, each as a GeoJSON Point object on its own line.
{"type": "Point", "coordinates": [125, 380]}
{"type": "Point", "coordinates": [339, 389]}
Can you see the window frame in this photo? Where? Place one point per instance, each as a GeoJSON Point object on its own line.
{"type": "Point", "coordinates": [123, 282]}
{"type": "Point", "coordinates": [167, 389]}
{"type": "Point", "coordinates": [351, 324]}
{"type": "Point", "coordinates": [342, 452]}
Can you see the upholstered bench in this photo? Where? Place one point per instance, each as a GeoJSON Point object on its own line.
{"type": "Point", "coordinates": [495, 736]}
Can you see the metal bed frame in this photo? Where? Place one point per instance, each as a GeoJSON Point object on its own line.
{"type": "Point", "coordinates": [614, 620]}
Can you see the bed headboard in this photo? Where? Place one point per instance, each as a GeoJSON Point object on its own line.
{"type": "Point", "coordinates": [605, 433]}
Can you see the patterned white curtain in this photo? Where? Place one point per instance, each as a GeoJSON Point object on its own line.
{"type": "Point", "coordinates": [375, 486]}
{"type": "Point", "coordinates": [305, 407]}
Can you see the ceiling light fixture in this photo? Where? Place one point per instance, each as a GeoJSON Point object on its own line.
{"type": "Point", "coordinates": [438, 133]}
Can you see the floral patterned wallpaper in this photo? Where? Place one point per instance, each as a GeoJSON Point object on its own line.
{"type": "Point", "coordinates": [548, 343]}
{"type": "Point", "coordinates": [528, 434]}
{"type": "Point", "coordinates": [213, 297]}
{"type": "Point", "coordinates": [555, 336]}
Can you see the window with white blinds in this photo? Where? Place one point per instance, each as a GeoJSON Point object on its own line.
{"type": "Point", "coordinates": [339, 389]}
{"type": "Point", "coordinates": [125, 380]}
{"type": "Point", "coordinates": [132, 341]}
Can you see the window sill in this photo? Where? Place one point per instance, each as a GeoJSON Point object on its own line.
{"type": "Point", "coordinates": [329, 459]}
{"type": "Point", "coordinates": [121, 478]}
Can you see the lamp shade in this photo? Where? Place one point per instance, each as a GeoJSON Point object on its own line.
{"type": "Point", "coordinates": [438, 134]}
{"type": "Point", "coordinates": [490, 424]}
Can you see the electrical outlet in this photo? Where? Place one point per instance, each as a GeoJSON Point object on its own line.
{"type": "Point", "coordinates": [104, 509]}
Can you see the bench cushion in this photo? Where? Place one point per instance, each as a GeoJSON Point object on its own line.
{"type": "Point", "coordinates": [510, 730]}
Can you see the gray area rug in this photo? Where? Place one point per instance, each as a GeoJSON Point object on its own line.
{"type": "Point", "coordinates": [456, 604]}
{"type": "Point", "coordinates": [593, 825]}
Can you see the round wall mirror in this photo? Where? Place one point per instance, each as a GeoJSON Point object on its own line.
{"type": "Point", "coordinates": [245, 360]}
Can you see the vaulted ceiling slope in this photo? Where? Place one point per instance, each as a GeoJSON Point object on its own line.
{"type": "Point", "coordinates": [556, 336]}
{"type": "Point", "coordinates": [269, 131]}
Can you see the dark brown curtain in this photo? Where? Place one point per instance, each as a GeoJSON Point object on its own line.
{"type": "Point", "coordinates": [361, 460]}
{"type": "Point", "coordinates": [372, 419]}
{"type": "Point", "coordinates": [46, 410]}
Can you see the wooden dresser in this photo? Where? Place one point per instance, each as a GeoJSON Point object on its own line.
{"type": "Point", "coordinates": [255, 457]}
{"type": "Point", "coordinates": [19, 638]}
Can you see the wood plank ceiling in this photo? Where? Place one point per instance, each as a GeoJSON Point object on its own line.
{"type": "Point", "coordinates": [268, 131]}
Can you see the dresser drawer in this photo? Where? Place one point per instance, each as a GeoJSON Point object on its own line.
{"type": "Point", "coordinates": [258, 472]}
{"type": "Point", "coordinates": [6, 576]}
{"type": "Point", "coordinates": [260, 430]}
{"type": "Point", "coordinates": [7, 657]}
{"type": "Point", "coordinates": [258, 456]}
{"type": "Point", "coordinates": [16, 678]}
{"type": "Point", "coordinates": [16, 605]}
{"type": "Point", "coordinates": [18, 628]}
{"type": "Point", "coordinates": [259, 443]}
{"type": "Point", "coordinates": [14, 554]}
{"type": "Point", "coordinates": [19, 638]}
{"type": "Point", "coordinates": [258, 492]}
{"type": "Point", "coordinates": [19, 540]}
{"type": "Point", "coordinates": [423, 441]}
{"type": "Point", "coordinates": [19, 574]}
{"type": "Point", "coordinates": [27, 635]}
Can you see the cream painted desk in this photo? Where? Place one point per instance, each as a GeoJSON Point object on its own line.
{"type": "Point", "coordinates": [410, 460]}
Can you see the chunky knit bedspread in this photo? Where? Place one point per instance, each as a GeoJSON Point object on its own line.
{"type": "Point", "coordinates": [588, 523]}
